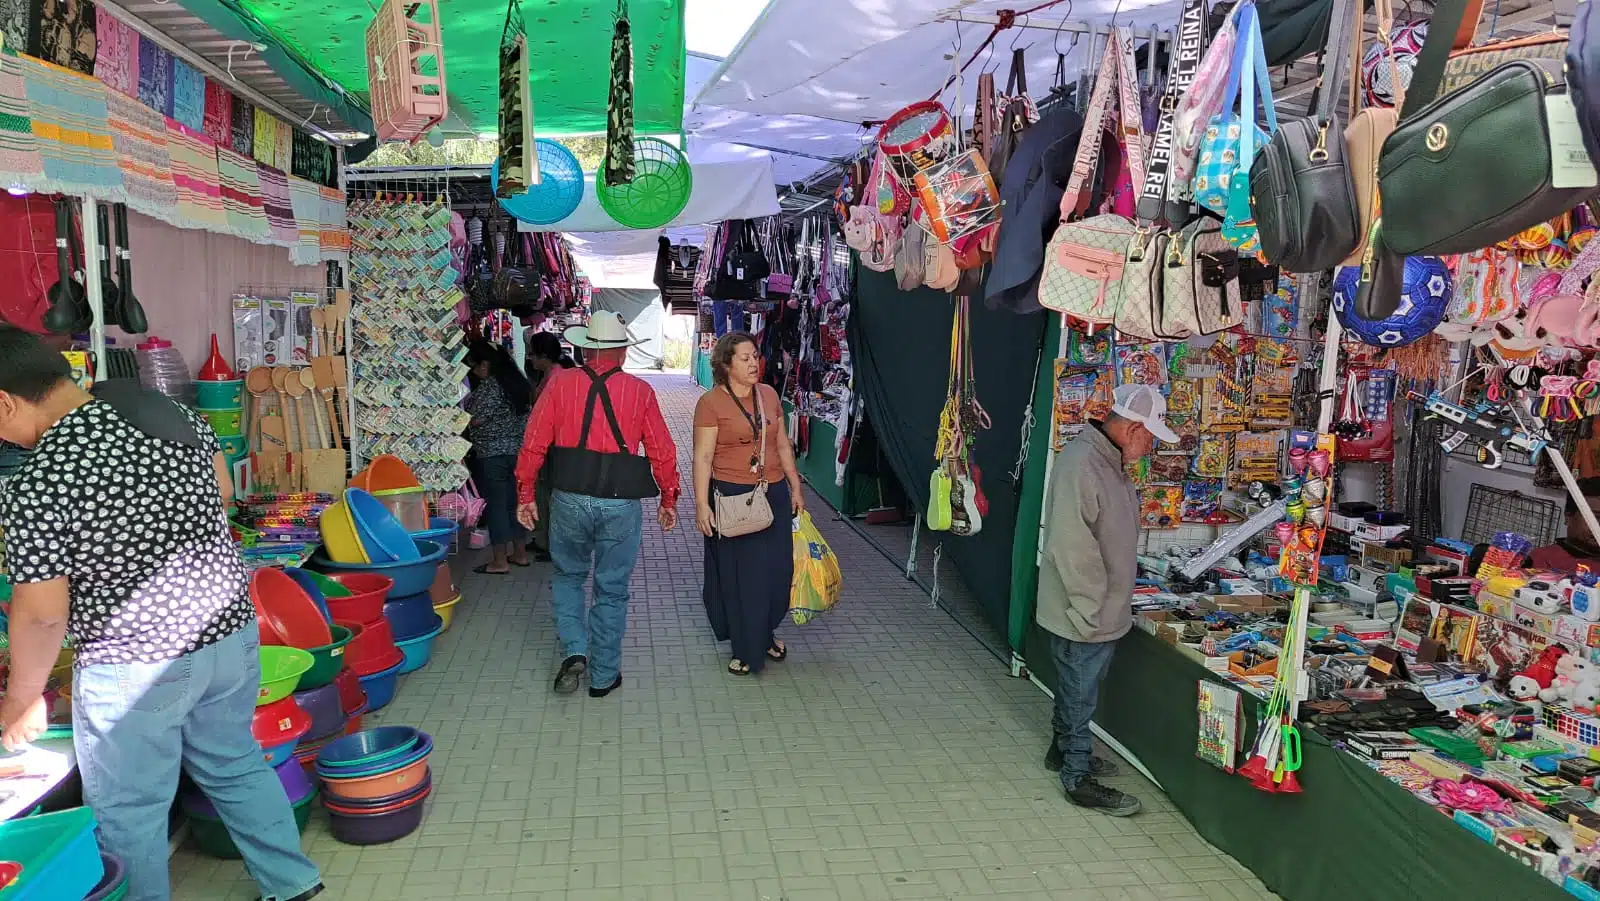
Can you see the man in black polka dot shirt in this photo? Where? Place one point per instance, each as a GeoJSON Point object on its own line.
{"type": "Point", "coordinates": [115, 531]}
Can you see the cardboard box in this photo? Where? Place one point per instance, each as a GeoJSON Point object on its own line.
{"type": "Point", "coordinates": [1343, 523]}
{"type": "Point", "coordinates": [1240, 603]}
{"type": "Point", "coordinates": [1369, 532]}
{"type": "Point", "coordinates": [1162, 624]}
{"type": "Point", "coordinates": [1237, 667]}
{"type": "Point", "coordinates": [1193, 652]}
{"type": "Point", "coordinates": [1370, 579]}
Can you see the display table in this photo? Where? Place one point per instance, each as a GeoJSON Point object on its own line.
{"type": "Point", "coordinates": [1351, 834]}
{"type": "Point", "coordinates": [54, 759]}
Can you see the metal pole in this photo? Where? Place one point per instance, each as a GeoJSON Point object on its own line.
{"type": "Point", "coordinates": [91, 288]}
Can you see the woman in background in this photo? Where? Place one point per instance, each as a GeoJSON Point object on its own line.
{"type": "Point", "coordinates": [740, 442]}
{"type": "Point", "coordinates": [500, 402]}
{"type": "Point", "coordinates": [546, 357]}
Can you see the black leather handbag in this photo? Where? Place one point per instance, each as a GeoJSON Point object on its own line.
{"type": "Point", "coordinates": [1301, 194]}
{"type": "Point", "coordinates": [1472, 167]}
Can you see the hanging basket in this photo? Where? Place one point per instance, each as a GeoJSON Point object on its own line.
{"type": "Point", "coordinates": [558, 193]}
{"type": "Point", "coordinates": [405, 69]}
{"type": "Point", "coordinates": [659, 191]}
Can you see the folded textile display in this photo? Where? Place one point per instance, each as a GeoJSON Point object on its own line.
{"type": "Point", "coordinates": [116, 63]}
{"type": "Point", "coordinates": [335, 230]}
{"type": "Point", "coordinates": [188, 95]}
{"type": "Point", "coordinates": [69, 124]}
{"type": "Point", "coordinates": [266, 146]}
{"type": "Point", "coordinates": [219, 114]}
{"type": "Point", "coordinates": [305, 200]}
{"type": "Point", "coordinates": [155, 76]}
{"type": "Point", "coordinates": [139, 139]}
{"type": "Point", "coordinates": [241, 196]}
{"type": "Point", "coordinates": [20, 163]}
{"type": "Point", "coordinates": [275, 201]}
{"type": "Point", "coordinates": [194, 172]}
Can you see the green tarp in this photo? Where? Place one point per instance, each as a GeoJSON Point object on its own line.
{"type": "Point", "coordinates": [571, 59]}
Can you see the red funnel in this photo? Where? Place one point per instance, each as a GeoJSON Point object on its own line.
{"type": "Point", "coordinates": [1290, 785]}
{"type": "Point", "coordinates": [216, 368]}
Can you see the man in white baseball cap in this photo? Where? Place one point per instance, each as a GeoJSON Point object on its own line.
{"type": "Point", "coordinates": [1086, 582]}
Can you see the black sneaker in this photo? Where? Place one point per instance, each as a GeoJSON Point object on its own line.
{"type": "Point", "coordinates": [1098, 766]}
{"type": "Point", "coordinates": [602, 692]}
{"type": "Point", "coordinates": [306, 895]}
{"type": "Point", "coordinates": [571, 674]}
{"type": "Point", "coordinates": [1109, 801]}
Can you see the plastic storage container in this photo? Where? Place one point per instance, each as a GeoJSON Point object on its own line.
{"type": "Point", "coordinates": [58, 854]}
{"type": "Point", "coordinates": [409, 505]}
{"type": "Point", "coordinates": [161, 368]}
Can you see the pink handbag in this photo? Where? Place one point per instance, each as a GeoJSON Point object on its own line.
{"type": "Point", "coordinates": [465, 506]}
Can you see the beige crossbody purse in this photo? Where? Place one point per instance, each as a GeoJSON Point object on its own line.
{"type": "Point", "coordinates": [746, 514]}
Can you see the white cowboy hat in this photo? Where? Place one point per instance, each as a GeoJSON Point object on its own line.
{"type": "Point", "coordinates": [605, 329]}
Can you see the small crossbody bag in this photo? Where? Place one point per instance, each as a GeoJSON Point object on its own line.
{"type": "Point", "coordinates": [746, 514]}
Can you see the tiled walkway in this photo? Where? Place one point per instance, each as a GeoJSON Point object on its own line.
{"type": "Point", "coordinates": [890, 757]}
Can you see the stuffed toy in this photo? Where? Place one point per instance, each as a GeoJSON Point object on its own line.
{"type": "Point", "coordinates": [1585, 693]}
{"type": "Point", "coordinates": [1531, 682]}
{"type": "Point", "coordinates": [1570, 669]}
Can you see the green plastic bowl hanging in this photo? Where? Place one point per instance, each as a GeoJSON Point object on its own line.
{"type": "Point", "coordinates": [659, 191]}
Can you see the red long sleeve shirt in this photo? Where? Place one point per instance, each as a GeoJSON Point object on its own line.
{"type": "Point", "coordinates": [557, 420]}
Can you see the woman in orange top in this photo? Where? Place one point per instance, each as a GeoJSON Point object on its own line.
{"type": "Point", "coordinates": [746, 578]}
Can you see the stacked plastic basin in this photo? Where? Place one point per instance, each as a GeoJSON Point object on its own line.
{"type": "Point", "coordinates": [372, 654]}
{"type": "Point", "coordinates": [375, 783]}
{"type": "Point", "coordinates": [222, 404]}
{"type": "Point", "coordinates": [205, 824]}
{"type": "Point", "coordinates": [50, 857]}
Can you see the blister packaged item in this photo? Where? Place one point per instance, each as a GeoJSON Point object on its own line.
{"type": "Point", "coordinates": [303, 302]}
{"type": "Point", "coordinates": [249, 349]}
{"type": "Point", "coordinates": [277, 331]}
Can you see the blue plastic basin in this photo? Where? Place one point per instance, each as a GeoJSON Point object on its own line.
{"type": "Point", "coordinates": [419, 650]}
{"type": "Point", "coordinates": [385, 539]}
{"type": "Point", "coordinates": [58, 853]}
{"type": "Point", "coordinates": [413, 577]}
{"type": "Point", "coordinates": [380, 687]}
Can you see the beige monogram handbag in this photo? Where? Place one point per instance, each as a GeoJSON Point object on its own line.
{"type": "Point", "coordinates": [746, 514]}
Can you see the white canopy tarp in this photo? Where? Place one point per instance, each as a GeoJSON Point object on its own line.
{"type": "Point", "coordinates": [627, 259]}
{"type": "Point", "coordinates": [730, 182]}
{"type": "Point", "coordinates": [856, 60]}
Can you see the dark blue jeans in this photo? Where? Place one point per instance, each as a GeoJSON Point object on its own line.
{"type": "Point", "coordinates": [727, 316]}
{"type": "Point", "coordinates": [497, 480]}
{"type": "Point", "coordinates": [1080, 668]}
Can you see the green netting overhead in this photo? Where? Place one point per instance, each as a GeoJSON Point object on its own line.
{"type": "Point", "coordinates": [571, 55]}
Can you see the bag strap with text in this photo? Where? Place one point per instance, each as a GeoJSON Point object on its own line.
{"type": "Point", "coordinates": [1186, 62]}
{"type": "Point", "coordinates": [1117, 72]}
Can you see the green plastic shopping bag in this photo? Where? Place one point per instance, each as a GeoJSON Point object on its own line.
{"type": "Point", "coordinates": [817, 579]}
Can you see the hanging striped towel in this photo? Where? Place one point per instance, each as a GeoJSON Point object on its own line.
{"type": "Point", "coordinates": [116, 62]}
{"type": "Point", "coordinates": [285, 152]}
{"type": "Point", "coordinates": [188, 95]}
{"type": "Point", "coordinates": [194, 172]}
{"type": "Point", "coordinates": [139, 137]}
{"type": "Point", "coordinates": [266, 149]}
{"type": "Point", "coordinates": [244, 126]}
{"type": "Point", "coordinates": [335, 235]}
{"type": "Point", "coordinates": [20, 163]}
{"type": "Point", "coordinates": [305, 199]}
{"type": "Point", "coordinates": [219, 114]}
{"type": "Point", "coordinates": [278, 206]}
{"type": "Point", "coordinates": [69, 124]}
{"type": "Point", "coordinates": [155, 76]}
{"type": "Point", "coordinates": [241, 196]}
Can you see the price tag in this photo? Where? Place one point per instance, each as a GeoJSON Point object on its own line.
{"type": "Point", "coordinates": [1570, 166]}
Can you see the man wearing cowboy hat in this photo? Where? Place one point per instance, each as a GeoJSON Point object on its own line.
{"type": "Point", "coordinates": [587, 424]}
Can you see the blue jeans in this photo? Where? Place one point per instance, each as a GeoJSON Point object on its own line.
{"type": "Point", "coordinates": [727, 316]}
{"type": "Point", "coordinates": [136, 724]}
{"type": "Point", "coordinates": [606, 534]}
{"type": "Point", "coordinates": [1080, 668]}
{"type": "Point", "coordinates": [497, 479]}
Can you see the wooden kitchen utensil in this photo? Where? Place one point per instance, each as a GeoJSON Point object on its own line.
{"type": "Point", "coordinates": [280, 384]}
{"type": "Point", "coordinates": [296, 390]}
{"type": "Point", "coordinates": [259, 383]}
{"type": "Point", "coordinates": [341, 378]}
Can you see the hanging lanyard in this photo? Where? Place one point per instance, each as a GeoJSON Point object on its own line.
{"type": "Point", "coordinates": [1186, 63]}
{"type": "Point", "coordinates": [757, 420]}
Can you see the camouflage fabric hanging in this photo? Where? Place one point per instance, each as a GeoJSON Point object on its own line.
{"type": "Point", "coordinates": [619, 110]}
{"type": "Point", "coordinates": [519, 166]}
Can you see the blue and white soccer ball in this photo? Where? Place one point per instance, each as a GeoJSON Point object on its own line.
{"type": "Point", "coordinates": [1423, 300]}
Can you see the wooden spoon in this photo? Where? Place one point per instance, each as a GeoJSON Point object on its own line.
{"type": "Point", "coordinates": [319, 324]}
{"type": "Point", "coordinates": [341, 379]}
{"type": "Point", "coordinates": [308, 386]}
{"type": "Point", "coordinates": [280, 384]}
{"type": "Point", "coordinates": [296, 390]}
{"type": "Point", "coordinates": [259, 382]}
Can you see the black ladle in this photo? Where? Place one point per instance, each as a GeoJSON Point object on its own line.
{"type": "Point", "coordinates": [67, 299]}
{"type": "Point", "coordinates": [110, 296]}
{"type": "Point", "coordinates": [131, 311]}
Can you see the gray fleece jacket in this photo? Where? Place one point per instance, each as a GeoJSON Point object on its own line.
{"type": "Point", "coordinates": [1090, 541]}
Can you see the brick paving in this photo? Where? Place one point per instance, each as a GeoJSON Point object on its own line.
{"type": "Point", "coordinates": [891, 757]}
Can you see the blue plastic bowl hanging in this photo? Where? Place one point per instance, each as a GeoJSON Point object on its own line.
{"type": "Point", "coordinates": [659, 191]}
{"type": "Point", "coordinates": [1423, 299]}
{"type": "Point", "coordinates": [558, 193]}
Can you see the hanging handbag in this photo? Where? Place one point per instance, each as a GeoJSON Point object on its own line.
{"type": "Point", "coordinates": [747, 513]}
{"type": "Point", "coordinates": [1139, 315]}
{"type": "Point", "coordinates": [1221, 158]}
{"type": "Point", "coordinates": [1302, 199]}
{"type": "Point", "coordinates": [1367, 131]}
{"type": "Point", "coordinates": [1018, 113]}
{"type": "Point", "coordinates": [1476, 165]}
{"type": "Point", "coordinates": [1084, 262]}
{"type": "Point", "coordinates": [1199, 103]}
{"type": "Point", "coordinates": [1199, 291]}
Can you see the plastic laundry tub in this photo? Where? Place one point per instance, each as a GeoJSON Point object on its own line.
{"type": "Point", "coordinates": [314, 585]}
{"type": "Point", "coordinates": [212, 838]}
{"type": "Point", "coordinates": [370, 780]}
{"type": "Point", "coordinates": [325, 710]}
{"type": "Point", "coordinates": [278, 728]}
{"type": "Point", "coordinates": [410, 617]}
{"type": "Point", "coordinates": [113, 886]}
{"type": "Point", "coordinates": [370, 748]}
{"type": "Point", "coordinates": [281, 669]}
{"type": "Point", "coordinates": [447, 611]}
{"type": "Point", "coordinates": [381, 534]}
{"type": "Point", "coordinates": [58, 854]}
{"type": "Point", "coordinates": [395, 800]}
{"type": "Point", "coordinates": [365, 596]}
{"type": "Point", "coordinates": [418, 651]}
{"type": "Point", "coordinates": [439, 529]}
{"type": "Point", "coordinates": [372, 649]}
{"type": "Point", "coordinates": [297, 786]}
{"type": "Point", "coordinates": [410, 577]}
{"type": "Point", "coordinates": [351, 697]}
{"type": "Point", "coordinates": [364, 827]}
{"type": "Point", "coordinates": [339, 536]}
{"type": "Point", "coordinates": [380, 687]}
{"type": "Point", "coordinates": [327, 660]}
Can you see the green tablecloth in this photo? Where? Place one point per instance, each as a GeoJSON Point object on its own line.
{"type": "Point", "coordinates": [1352, 834]}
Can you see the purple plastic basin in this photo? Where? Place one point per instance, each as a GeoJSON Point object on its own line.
{"type": "Point", "coordinates": [297, 786]}
{"type": "Point", "coordinates": [327, 714]}
{"type": "Point", "coordinates": [420, 788]}
{"type": "Point", "coordinates": [354, 829]}
{"type": "Point", "coordinates": [116, 875]}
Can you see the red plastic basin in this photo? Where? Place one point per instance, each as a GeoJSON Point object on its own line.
{"type": "Point", "coordinates": [372, 650]}
{"type": "Point", "coordinates": [368, 592]}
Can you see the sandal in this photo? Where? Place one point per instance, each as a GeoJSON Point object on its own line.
{"type": "Point", "coordinates": [738, 667]}
{"type": "Point", "coordinates": [779, 652]}
{"type": "Point", "coordinates": [484, 570]}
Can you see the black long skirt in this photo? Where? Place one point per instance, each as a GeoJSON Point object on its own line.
{"type": "Point", "coordinates": [747, 578]}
